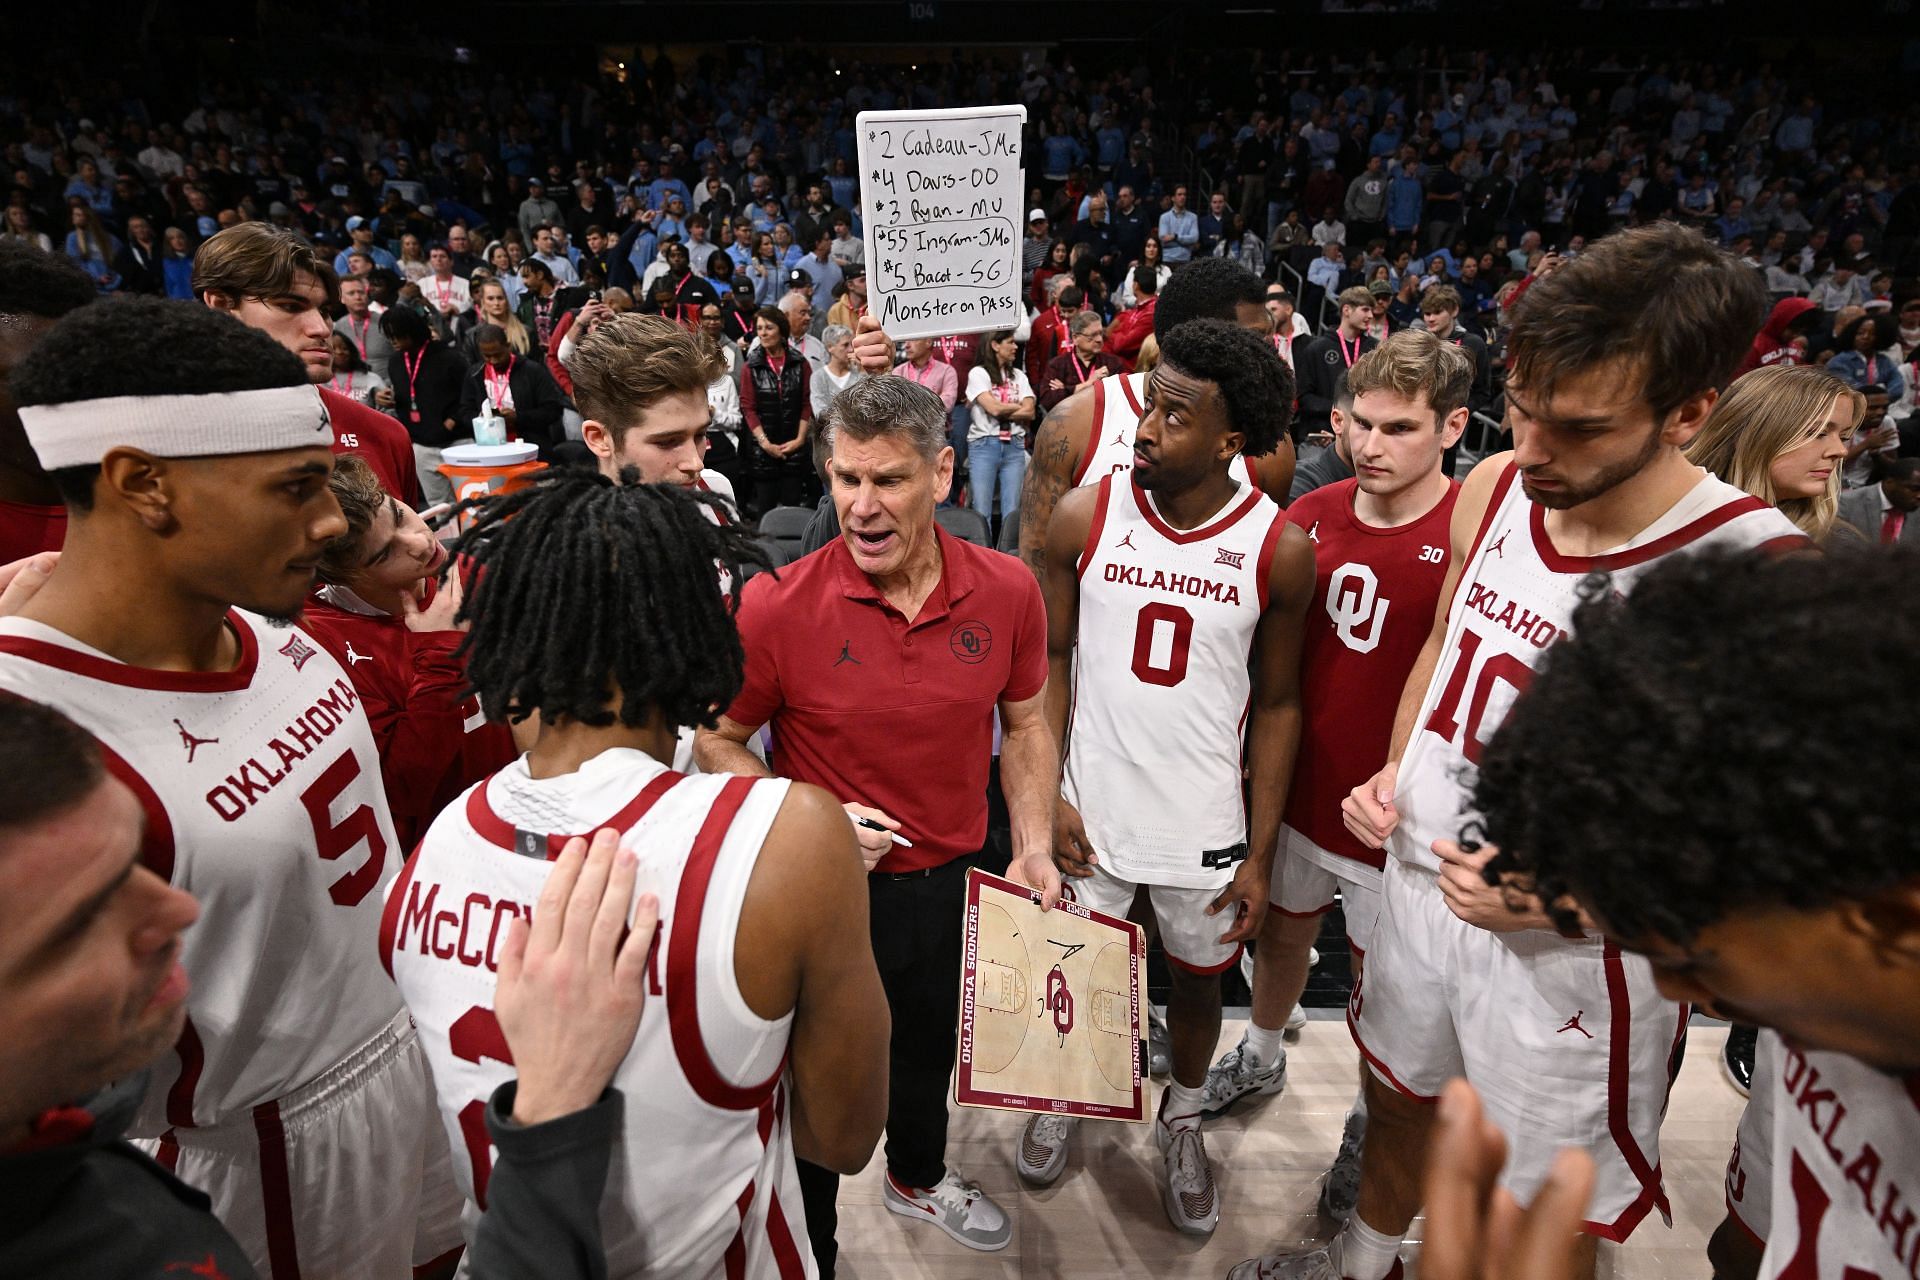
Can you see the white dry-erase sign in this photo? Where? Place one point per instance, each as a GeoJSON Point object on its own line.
{"type": "Point", "coordinates": [942, 192]}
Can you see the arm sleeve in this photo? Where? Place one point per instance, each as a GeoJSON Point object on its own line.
{"type": "Point", "coordinates": [620, 272]}
{"type": "Point", "coordinates": [543, 1200]}
{"type": "Point", "coordinates": [760, 695]}
{"type": "Point", "coordinates": [557, 344]}
{"type": "Point", "coordinates": [1048, 396]}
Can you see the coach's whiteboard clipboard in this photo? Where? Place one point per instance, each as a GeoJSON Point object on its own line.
{"type": "Point", "coordinates": [941, 194]}
{"type": "Point", "coordinates": [1052, 1006]}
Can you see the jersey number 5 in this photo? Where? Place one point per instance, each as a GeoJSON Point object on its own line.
{"type": "Point", "coordinates": [1147, 629]}
{"type": "Point", "coordinates": [336, 839]}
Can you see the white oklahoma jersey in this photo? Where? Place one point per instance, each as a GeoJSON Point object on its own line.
{"type": "Point", "coordinates": [262, 796]}
{"type": "Point", "coordinates": [704, 1182]}
{"type": "Point", "coordinates": [1515, 597]}
{"type": "Point", "coordinates": [1846, 1165]}
{"type": "Point", "coordinates": [1161, 684]}
{"type": "Point", "coordinates": [718, 485]}
{"type": "Point", "coordinates": [1116, 415]}
{"type": "Point", "coordinates": [1567, 1039]}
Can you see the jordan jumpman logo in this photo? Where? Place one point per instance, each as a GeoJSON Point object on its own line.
{"type": "Point", "coordinates": [191, 743]}
{"type": "Point", "coordinates": [1573, 1024]}
{"type": "Point", "coordinates": [353, 657]}
{"type": "Point", "coordinates": [1498, 546]}
{"type": "Point", "coordinates": [1126, 540]}
{"type": "Point", "coordinates": [846, 654]}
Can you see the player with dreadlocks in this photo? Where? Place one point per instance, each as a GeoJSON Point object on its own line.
{"type": "Point", "coordinates": [593, 605]}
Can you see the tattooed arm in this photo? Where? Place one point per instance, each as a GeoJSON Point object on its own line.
{"type": "Point", "coordinates": [1057, 450]}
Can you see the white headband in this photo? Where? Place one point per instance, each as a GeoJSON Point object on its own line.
{"type": "Point", "coordinates": [81, 432]}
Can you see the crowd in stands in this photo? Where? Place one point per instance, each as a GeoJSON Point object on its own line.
{"type": "Point", "coordinates": [513, 213]}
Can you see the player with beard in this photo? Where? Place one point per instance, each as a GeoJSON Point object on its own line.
{"type": "Point", "coordinates": [1616, 361]}
{"type": "Point", "coordinates": [1175, 599]}
{"type": "Point", "coordinates": [270, 279]}
{"type": "Point", "coordinates": [1379, 545]}
{"type": "Point", "coordinates": [193, 455]}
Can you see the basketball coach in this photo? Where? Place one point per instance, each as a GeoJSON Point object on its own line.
{"type": "Point", "coordinates": [879, 661]}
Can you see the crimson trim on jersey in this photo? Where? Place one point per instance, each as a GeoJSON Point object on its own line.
{"type": "Point", "coordinates": [1619, 1076]}
{"type": "Point", "coordinates": [780, 1236]}
{"type": "Point", "coordinates": [1785, 544]}
{"type": "Point", "coordinates": [1660, 546]}
{"type": "Point", "coordinates": [1204, 971]}
{"type": "Point", "coordinates": [1096, 528]}
{"type": "Point", "coordinates": [1205, 531]}
{"type": "Point", "coordinates": [157, 853]}
{"type": "Point", "coordinates": [495, 830]}
{"type": "Point", "coordinates": [168, 1155]}
{"type": "Point", "coordinates": [276, 1195]}
{"type": "Point", "coordinates": [1733, 1216]}
{"type": "Point", "coordinates": [107, 671]}
{"type": "Point", "coordinates": [433, 1265]}
{"type": "Point", "coordinates": [1263, 570]}
{"type": "Point", "coordinates": [1381, 1069]}
{"type": "Point", "coordinates": [1133, 401]}
{"type": "Point", "coordinates": [390, 912]}
{"type": "Point", "coordinates": [683, 950]}
{"type": "Point", "coordinates": [1093, 433]}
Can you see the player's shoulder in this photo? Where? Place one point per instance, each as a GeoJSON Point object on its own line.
{"type": "Point", "coordinates": [1319, 504]}
{"type": "Point", "coordinates": [713, 482]}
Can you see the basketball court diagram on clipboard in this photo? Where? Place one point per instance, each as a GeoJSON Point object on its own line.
{"type": "Point", "coordinates": [1051, 1006]}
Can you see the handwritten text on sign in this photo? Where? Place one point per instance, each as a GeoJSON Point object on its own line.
{"type": "Point", "coordinates": [942, 193]}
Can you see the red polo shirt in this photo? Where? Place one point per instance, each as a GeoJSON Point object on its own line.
{"type": "Point", "coordinates": [888, 713]}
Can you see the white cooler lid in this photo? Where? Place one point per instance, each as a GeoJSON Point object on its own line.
{"type": "Point", "coordinates": [490, 455]}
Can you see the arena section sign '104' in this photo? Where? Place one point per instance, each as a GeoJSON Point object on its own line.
{"type": "Point", "coordinates": [941, 191]}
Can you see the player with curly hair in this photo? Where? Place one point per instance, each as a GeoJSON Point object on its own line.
{"type": "Point", "coordinates": [593, 607]}
{"type": "Point", "coordinates": [1175, 600]}
{"type": "Point", "coordinates": [1772, 879]}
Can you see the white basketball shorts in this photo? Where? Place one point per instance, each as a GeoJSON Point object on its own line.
{"type": "Point", "coordinates": [1567, 1041]}
{"type": "Point", "coordinates": [349, 1175]}
{"type": "Point", "coordinates": [1306, 878]}
{"type": "Point", "coordinates": [1750, 1168]}
{"type": "Point", "coordinates": [1188, 935]}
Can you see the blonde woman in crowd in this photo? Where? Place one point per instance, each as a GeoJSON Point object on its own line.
{"type": "Point", "coordinates": [490, 306]}
{"type": "Point", "coordinates": [1780, 433]}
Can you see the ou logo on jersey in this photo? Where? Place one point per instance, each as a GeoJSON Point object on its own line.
{"type": "Point", "coordinates": [1356, 606]}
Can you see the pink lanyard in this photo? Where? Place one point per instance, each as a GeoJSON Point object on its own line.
{"type": "Point", "coordinates": [361, 341]}
{"type": "Point", "coordinates": [346, 390]}
{"type": "Point", "coordinates": [498, 384]}
{"type": "Point", "coordinates": [1355, 357]}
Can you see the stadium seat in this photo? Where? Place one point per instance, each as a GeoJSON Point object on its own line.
{"type": "Point", "coordinates": [965, 523]}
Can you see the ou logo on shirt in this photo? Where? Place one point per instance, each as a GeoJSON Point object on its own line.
{"type": "Point", "coordinates": [1356, 606]}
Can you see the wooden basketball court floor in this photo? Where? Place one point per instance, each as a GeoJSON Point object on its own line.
{"type": "Point", "coordinates": [1103, 1217]}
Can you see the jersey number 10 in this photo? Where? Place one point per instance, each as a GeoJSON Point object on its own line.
{"type": "Point", "coordinates": [1445, 719]}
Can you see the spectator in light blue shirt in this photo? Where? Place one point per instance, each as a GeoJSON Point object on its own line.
{"type": "Point", "coordinates": [1062, 154]}
{"type": "Point", "coordinates": [667, 185]}
{"type": "Point", "coordinates": [1179, 229]}
{"type": "Point", "coordinates": [1327, 269]}
{"type": "Point", "coordinates": [1387, 140]}
{"type": "Point", "coordinates": [1110, 143]}
{"type": "Point", "coordinates": [362, 233]}
{"type": "Point", "coordinates": [1795, 134]}
{"type": "Point", "coordinates": [1406, 196]}
{"type": "Point", "coordinates": [88, 185]}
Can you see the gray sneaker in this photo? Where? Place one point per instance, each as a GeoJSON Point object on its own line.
{"type": "Point", "coordinates": [1042, 1154]}
{"type": "Point", "coordinates": [1305, 1264]}
{"type": "Point", "coordinates": [1159, 1044]}
{"type": "Point", "coordinates": [1236, 1075]}
{"type": "Point", "coordinates": [958, 1208]}
{"type": "Point", "coordinates": [1341, 1191]}
{"type": "Point", "coordinates": [1192, 1202]}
